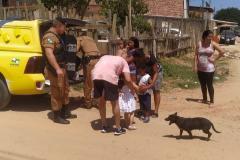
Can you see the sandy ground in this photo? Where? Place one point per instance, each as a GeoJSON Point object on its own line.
{"type": "Point", "coordinates": [26, 133]}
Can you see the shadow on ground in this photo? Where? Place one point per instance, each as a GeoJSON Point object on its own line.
{"type": "Point", "coordinates": [36, 103]}
{"type": "Point", "coordinates": [97, 125]}
{"type": "Point", "coordinates": [138, 113]}
{"type": "Point", "coordinates": [186, 137]}
{"type": "Point", "coordinates": [195, 100]}
{"type": "Point", "coordinates": [39, 103]}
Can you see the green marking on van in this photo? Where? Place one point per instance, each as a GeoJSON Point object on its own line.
{"type": "Point", "coordinates": [15, 62]}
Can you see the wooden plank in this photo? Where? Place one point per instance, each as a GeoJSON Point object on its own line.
{"type": "Point", "coordinates": [180, 35]}
{"type": "Point", "coordinates": [126, 28]}
{"type": "Point", "coordinates": [166, 38]}
{"type": "Point", "coordinates": [26, 11]}
{"type": "Point", "coordinates": [114, 27]}
{"type": "Point", "coordinates": [121, 31]}
{"type": "Point", "coordinates": [4, 13]}
{"type": "Point", "coordinates": [130, 18]}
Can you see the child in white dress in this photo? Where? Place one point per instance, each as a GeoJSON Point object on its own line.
{"type": "Point", "coordinates": [127, 102]}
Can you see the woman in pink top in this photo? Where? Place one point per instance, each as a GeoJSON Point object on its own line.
{"type": "Point", "coordinates": [204, 64]}
{"type": "Point", "coordinates": [105, 78]}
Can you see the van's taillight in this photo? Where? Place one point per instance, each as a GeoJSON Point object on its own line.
{"type": "Point", "coordinates": [34, 65]}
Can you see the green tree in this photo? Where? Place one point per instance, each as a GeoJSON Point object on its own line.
{"type": "Point", "coordinates": [79, 5]}
{"type": "Point", "coordinates": [228, 14]}
{"type": "Point", "coordinates": [121, 8]}
{"type": "Point", "coordinates": [140, 24]}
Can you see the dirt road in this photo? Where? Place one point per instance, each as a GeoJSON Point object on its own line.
{"type": "Point", "coordinates": [26, 133]}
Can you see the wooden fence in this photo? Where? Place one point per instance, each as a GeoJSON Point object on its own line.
{"type": "Point", "coordinates": [169, 37]}
{"type": "Point", "coordinates": [161, 42]}
{"type": "Point", "coordinates": [40, 12]}
{"type": "Point", "coordinates": [175, 36]}
{"type": "Point", "coordinates": [24, 11]}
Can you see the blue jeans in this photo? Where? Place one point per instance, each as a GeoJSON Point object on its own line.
{"type": "Point", "coordinates": [145, 102]}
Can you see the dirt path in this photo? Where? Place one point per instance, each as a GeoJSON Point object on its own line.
{"type": "Point", "coordinates": [26, 133]}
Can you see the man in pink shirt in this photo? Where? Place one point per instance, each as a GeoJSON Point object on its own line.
{"type": "Point", "coordinates": [105, 78]}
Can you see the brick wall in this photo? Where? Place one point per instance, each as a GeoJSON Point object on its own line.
{"type": "Point", "coordinates": [166, 8]}
{"type": "Point", "coordinates": [93, 11]}
{"type": "Point", "coordinates": [94, 7]}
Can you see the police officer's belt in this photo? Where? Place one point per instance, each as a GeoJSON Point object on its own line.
{"type": "Point", "coordinates": [93, 57]}
{"type": "Point", "coordinates": [87, 59]}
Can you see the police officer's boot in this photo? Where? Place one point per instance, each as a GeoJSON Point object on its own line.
{"type": "Point", "coordinates": [95, 103]}
{"type": "Point", "coordinates": [58, 119]}
{"type": "Point", "coordinates": [88, 104]}
{"type": "Point", "coordinates": [66, 114]}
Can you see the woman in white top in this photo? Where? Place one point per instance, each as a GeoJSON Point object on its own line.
{"type": "Point", "coordinates": [204, 64]}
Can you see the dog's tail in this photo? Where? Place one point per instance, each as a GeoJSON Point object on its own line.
{"type": "Point", "coordinates": [215, 129]}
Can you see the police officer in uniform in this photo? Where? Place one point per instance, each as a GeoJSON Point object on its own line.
{"type": "Point", "coordinates": [55, 70]}
{"type": "Point", "coordinates": [91, 55]}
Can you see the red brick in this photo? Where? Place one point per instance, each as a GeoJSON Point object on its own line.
{"type": "Point", "coordinates": [165, 8]}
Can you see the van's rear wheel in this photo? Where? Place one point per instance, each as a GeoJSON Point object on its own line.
{"type": "Point", "coordinates": [5, 96]}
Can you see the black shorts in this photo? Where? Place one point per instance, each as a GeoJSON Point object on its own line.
{"type": "Point", "coordinates": [145, 102]}
{"type": "Point", "coordinates": [106, 89]}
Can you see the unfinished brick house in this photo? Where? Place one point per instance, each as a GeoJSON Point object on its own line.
{"type": "Point", "coordinates": [93, 11]}
{"type": "Point", "coordinates": [168, 8]}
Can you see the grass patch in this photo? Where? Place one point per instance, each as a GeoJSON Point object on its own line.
{"type": "Point", "coordinates": [178, 72]}
{"type": "Point", "coordinates": [222, 70]}
{"type": "Point", "coordinates": [178, 75]}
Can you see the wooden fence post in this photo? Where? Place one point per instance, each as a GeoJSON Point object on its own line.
{"type": "Point", "coordinates": [109, 16]}
{"type": "Point", "coordinates": [130, 18]}
{"type": "Point", "coordinates": [167, 38]}
{"type": "Point", "coordinates": [113, 34]}
{"type": "Point", "coordinates": [1, 12]}
{"type": "Point", "coordinates": [126, 28]}
{"type": "Point", "coordinates": [180, 35]}
{"type": "Point", "coordinates": [4, 13]}
{"type": "Point", "coordinates": [154, 44]}
{"type": "Point", "coordinates": [114, 26]}
{"type": "Point", "coordinates": [26, 10]}
{"type": "Point", "coordinates": [121, 32]}
{"type": "Point", "coordinates": [17, 9]}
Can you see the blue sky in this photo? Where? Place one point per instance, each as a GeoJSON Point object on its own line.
{"type": "Point", "coordinates": [218, 4]}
